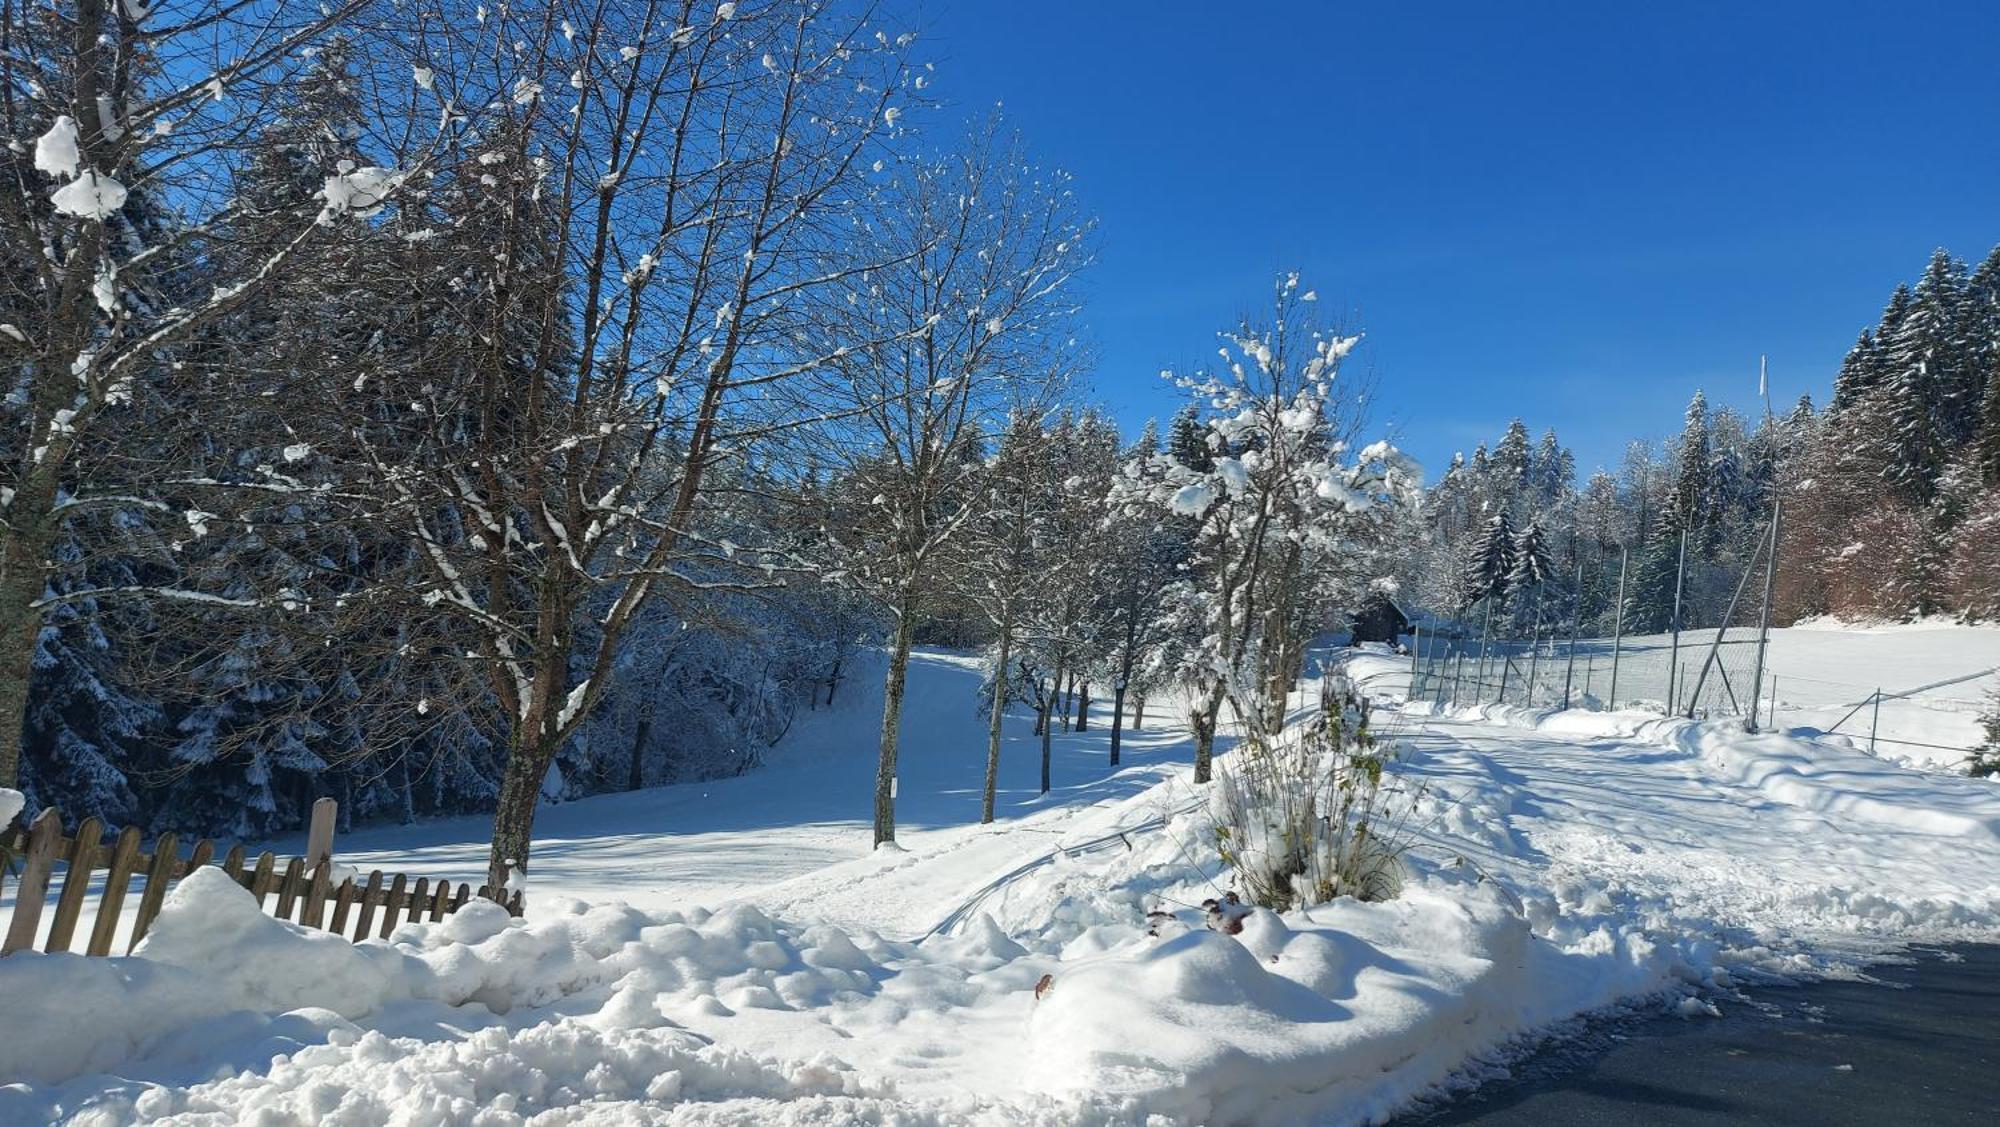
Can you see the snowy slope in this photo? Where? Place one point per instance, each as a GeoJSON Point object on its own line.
{"type": "Point", "coordinates": [1563, 863]}
{"type": "Point", "coordinates": [808, 807]}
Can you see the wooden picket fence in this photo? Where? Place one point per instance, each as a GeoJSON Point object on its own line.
{"type": "Point", "coordinates": [304, 886]}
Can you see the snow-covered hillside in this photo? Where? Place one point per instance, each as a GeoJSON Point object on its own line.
{"type": "Point", "coordinates": [764, 966]}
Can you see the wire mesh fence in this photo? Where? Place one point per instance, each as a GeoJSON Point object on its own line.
{"type": "Point", "coordinates": [1704, 673]}
{"type": "Point", "coordinates": [1709, 670]}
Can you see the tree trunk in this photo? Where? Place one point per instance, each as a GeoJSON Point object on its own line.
{"type": "Point", "coordinates": [1203, 720]}
{"type": "Point", "coordinates": [1083, 707]}
{"type": "Point", "coordinates": [892, 720]}
{"type": "Point", "coordinates": [833, 680]}
{"type": "Point", "coordinates": [636, 777]}
{"type": "Point", "coordinates": [514, 815]}
{"type": "Point", "coordinates": [409, 791]}
{"type": "Point", "coordinates": [993, 727]}
{"type": "Point", "coordinates": [1058, 699]}
{"type": "Point", "coordinates": [22, 579]}
{"type": "Point", "coordinates": [1117, 718]}
{"type": "Point", "coordinates": [1048, 728]}
{"type": "Point", "coordinates": [1138, 711]}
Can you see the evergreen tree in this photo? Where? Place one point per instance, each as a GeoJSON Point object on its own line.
{"type": "Point", "coordinates": [1986, 445]}
{"type": "Point", "coordinates": [1491, 561]}
{"type": "Point", "coordinates": [1512, 461]}
{"type": "Point", "coordinates": [1532, 565]}
{"type": "Point", "coordinates": [1187, 441]}
{"type": "Point", "coordinates": [1859, 372]}
{"type": "Point", "coordinates": [1925, 396]}
{"type": "Point", "coordinates": [1692, 468]}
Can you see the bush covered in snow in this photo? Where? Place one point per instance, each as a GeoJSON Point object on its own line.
{"type": "Point", "coordinates": [1314, 812]}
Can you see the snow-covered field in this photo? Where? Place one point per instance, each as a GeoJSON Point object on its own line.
{"type": "Point", "coordinates": [732, 952]}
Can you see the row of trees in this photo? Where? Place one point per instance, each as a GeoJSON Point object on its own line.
{"type": "Point", "coordinates": [1892, 493]}
{"type": "Point", "coordinates": [396, 383]}
{"type": "Point", "coordinates": [450, 407]}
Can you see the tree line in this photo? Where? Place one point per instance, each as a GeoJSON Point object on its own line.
{"type": "Point", "coordinates": [452, 407]}
{"type": "Point", "coordinates": [1891, 494]}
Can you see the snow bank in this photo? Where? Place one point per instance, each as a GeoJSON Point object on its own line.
{"type": "Point", "coordinates": [214, 962]}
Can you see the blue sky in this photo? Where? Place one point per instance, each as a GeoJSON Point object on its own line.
{"type": "Point", "coordinates": [1573, 213]}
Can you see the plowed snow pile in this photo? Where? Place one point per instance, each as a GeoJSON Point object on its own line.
{"type": "Point", "coordinates": [1563, 863]}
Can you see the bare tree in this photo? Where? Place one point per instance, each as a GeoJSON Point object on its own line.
{"type": "Point", "coordinates": [626, 252]}
{"type": "Point", "coordinates": [984, 250]}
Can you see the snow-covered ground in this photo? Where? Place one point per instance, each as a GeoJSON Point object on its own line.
{"type": "Point", "coordinates": [765, 967]}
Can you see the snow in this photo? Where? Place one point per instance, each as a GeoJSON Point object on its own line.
{"type": "Point", "coordinates": [733, 952]}
{"type": "Point", "coordinates": [360, 189]}
{"type": "Point", "coordinates": [56, 151]}
{"type": "Point", "coordinates": [1192, 500]}
{"type": "Point", "coordinates": [10, 806]}
{"type": "Point", "coordinates": [89, 196]}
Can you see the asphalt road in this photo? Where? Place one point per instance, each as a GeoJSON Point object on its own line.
{"type": "Point", "coordinates": [1922, 1046]}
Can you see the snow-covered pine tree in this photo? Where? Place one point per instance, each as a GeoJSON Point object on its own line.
{"type": "Point", "coordinates": [1860, 371]}
{"type": "Point", "coordinates": [118, 114]}
{"type": "Point", "coordinates": [1511, 465]}
{"type": "Point", "coordinates": [1489, 563]}
{"type": "Point", "coordinates": [1925, 396]}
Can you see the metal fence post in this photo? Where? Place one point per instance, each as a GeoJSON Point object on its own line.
{"type": "Point", "coordinates": [1485, 638]}
{"type": "Point", "coordinates": [1416, 647]}
{"type": "Point", "coordinates": [1575, 615]}
{"type": "Point", "coordinates": [1534, 665]}
{"type": "Point", "coordinates": [1874, 720]}
{"type": "Point", "coordinates": [1618, 631]}
{"type": "Point", "coordinates": [1764, 618]}
{"type": "Point", "coordinates": [1674, 652]}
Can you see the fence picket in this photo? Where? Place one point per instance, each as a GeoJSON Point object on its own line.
{"type": "Point", "coordinates": [305, 888]}
{"type": "Point", "coordinates": [44, 838]}
{"type": "Point", "coordinates": [343, 899]}
{"type": "Point", "coordinates": [117, 882]}
{"type": "Point", "coordinates": [260, 881]}
{"type": "Point", "coordinates": [370, 897]}
{"type": "Point", "coordinates": [165, 848]}
{"type": "Point", "coordinates": [392, 905]}
{"type": "Point", "coordinates": [290, 887]}
{"type": "Point", "coordinates": [204, 852]}
{"type": "Point", "coordinates": [314, 911]}
{"type": "Point", "coordinates": [419, 899]}
{"type": "Point", "coordinates": [82, 860]}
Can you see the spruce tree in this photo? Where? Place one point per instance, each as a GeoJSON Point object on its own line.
{"type": "Point", "coordinates": [1986, 445]}
{"type": "Point", "coordinates": [1858, 372]}
{"type": "Point", "coordinates": [1692, 486]}
{"type": "Point", "coordinates": [1187, 441]}
{"type": "Point", "coordinates": [1513, 458]}
{"type": "Point", "coordinates": [1491, 561]}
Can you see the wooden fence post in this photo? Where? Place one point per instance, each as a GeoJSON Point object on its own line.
{"type": "Point", "coordinates": [319, 836]}
{"type": "Point", "coordinates": [69, 905]}
{"type": "Point", "coordinates": [165, 848]}
{"type": "Point", "coordinates": [117, 882]}
{"type": "Point", "coordinates": [43, 839]}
